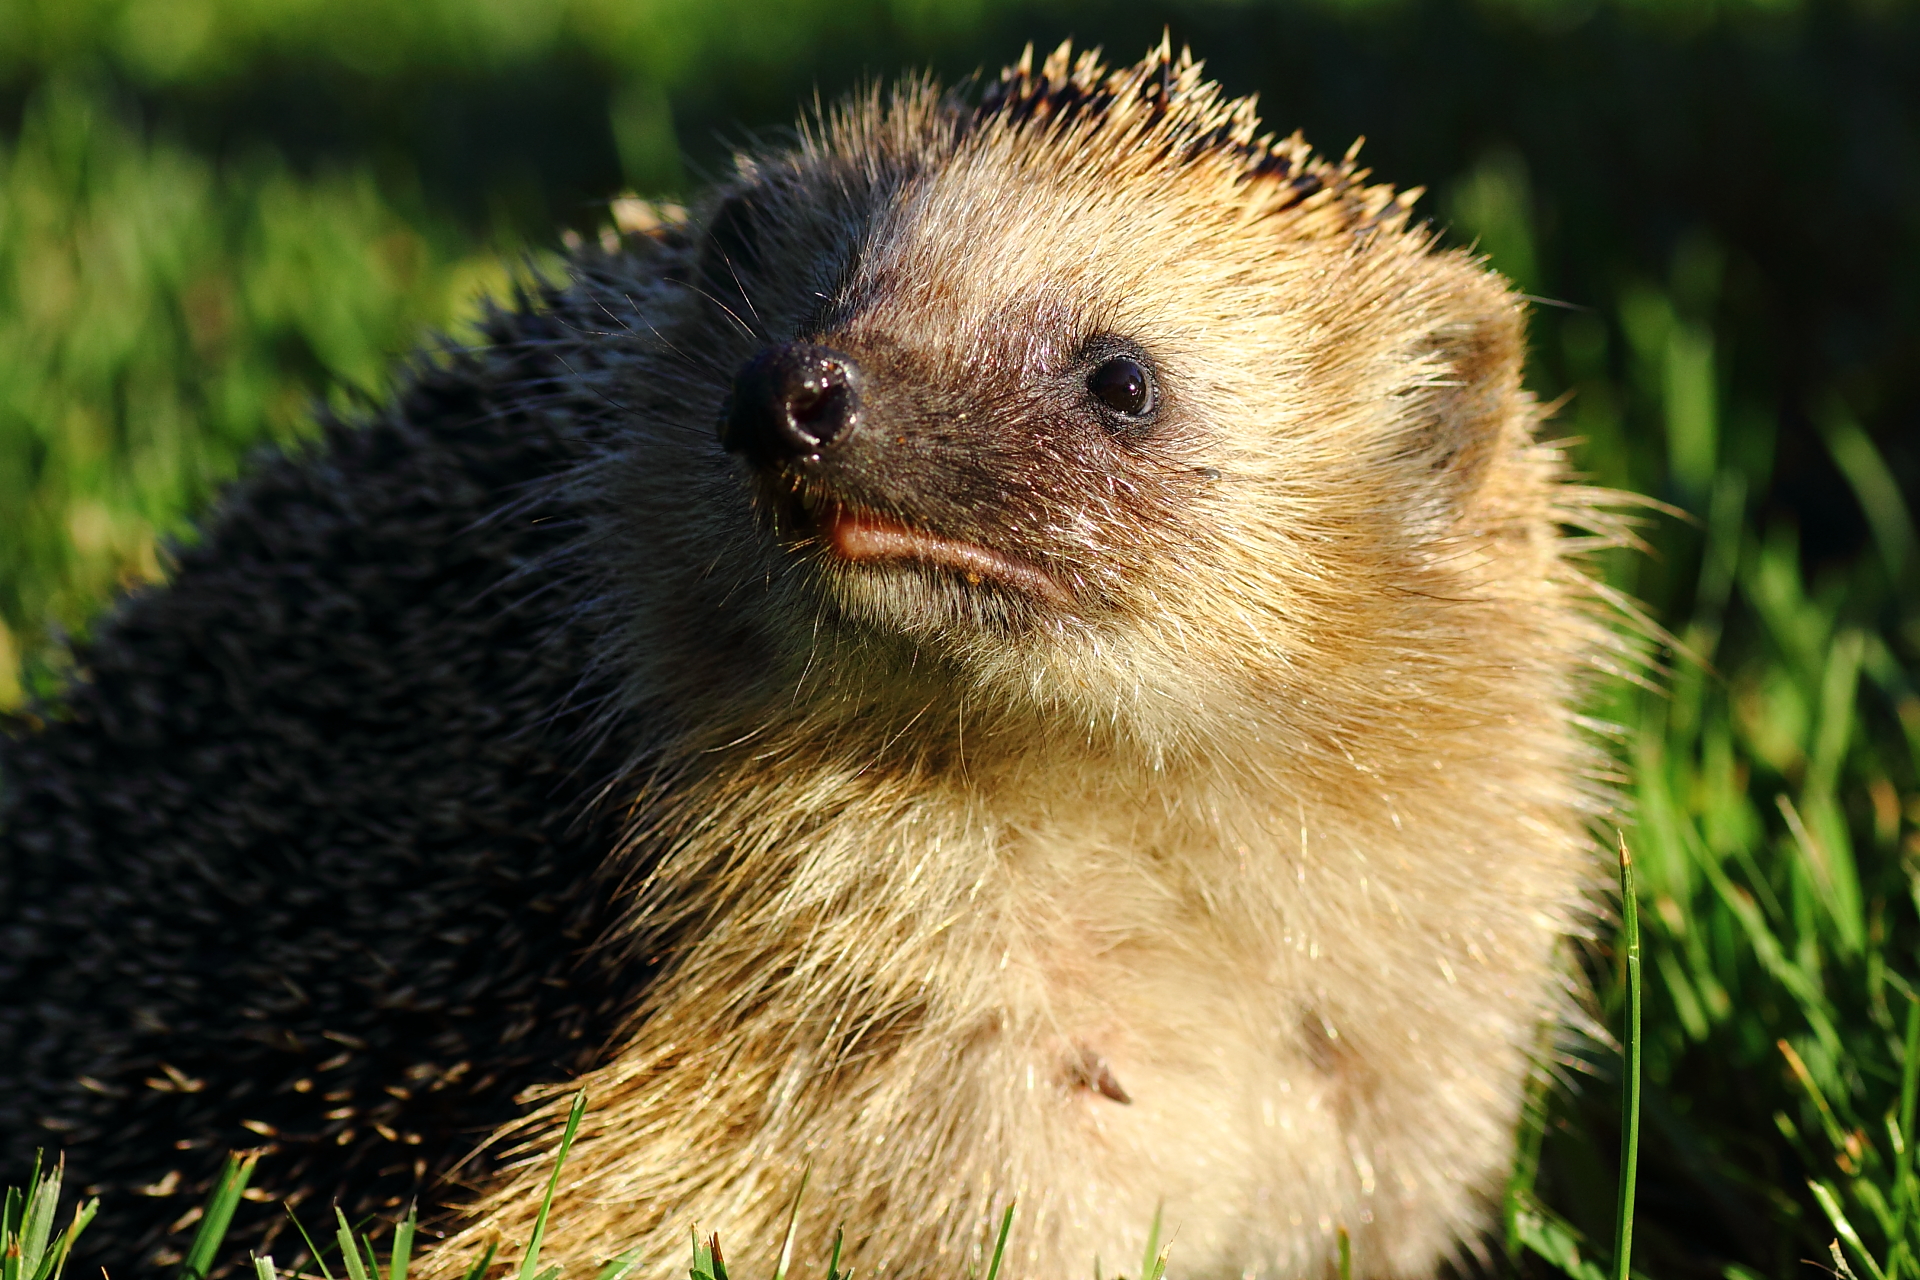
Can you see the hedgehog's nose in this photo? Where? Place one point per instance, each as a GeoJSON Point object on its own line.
{"type": "Point", "coordinates": [792, 402]}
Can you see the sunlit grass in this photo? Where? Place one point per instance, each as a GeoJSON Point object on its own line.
{"type": "Point", "coordinates": [29, 1247]}
{"type": "Point", "coordinates": [30, 1250]}
{"type": "Point", "coordinates": [161, 318]}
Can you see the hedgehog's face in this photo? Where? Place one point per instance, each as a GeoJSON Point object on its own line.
{"type": "Point", "coordinates": [1095, 433]}
{"type": "Point", "coordinates": [942, 461]}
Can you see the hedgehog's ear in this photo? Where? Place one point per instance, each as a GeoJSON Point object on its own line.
{"type": "Point", "coordinates": [1468, 408]}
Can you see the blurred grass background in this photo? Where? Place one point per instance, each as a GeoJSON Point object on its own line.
{"type": "Point", "coordinates": [215, 213]}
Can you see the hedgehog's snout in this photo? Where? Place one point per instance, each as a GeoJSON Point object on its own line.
{"type": "Point", "coordinates": [792, 403]}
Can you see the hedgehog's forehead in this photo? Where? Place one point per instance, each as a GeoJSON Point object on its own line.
{"type": "Point", "coordinates": [983, 236]}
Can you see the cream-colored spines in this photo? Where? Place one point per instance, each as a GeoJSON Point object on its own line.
{"type": "Point", "coordinates": [1237, 890]}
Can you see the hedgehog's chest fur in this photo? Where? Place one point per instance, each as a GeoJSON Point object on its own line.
{"type": "Point", "coordinates": [1104, 998]}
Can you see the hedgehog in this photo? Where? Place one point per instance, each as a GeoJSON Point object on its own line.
{"type": "Point", "coordinates": [1028, 648]}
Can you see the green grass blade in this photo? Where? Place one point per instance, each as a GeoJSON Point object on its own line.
{"type": "Point", "coordinates": [11, 1208]}
{"type": "Point", "coordinates": [485, 1260]}
{"type": "Point", "coordinates": [263, 1268]}
{"type": "Point", "coordinates": [1000, 1245]}
{"type": "Point", "coordinates": [1544, 1233]}
{"type": "Point", "coordinates": [1902, 1136]}
{"type": "Point", "coordinates": [1835, 1131]}
{"type": "Point", "coordinates": [1806, 991]}
{"type": "Point", "coordinates": [1527, 1160]}
{"type": "Point", "coordinates": [1346, 1255]}
{"type": "Point", "coordinates": [1830, 1205]}
{"type": "Point", "coordinates": [530, 1263]}
{"type": "Point", "coordinates": [1868, 1192]}
{"type": "Point", "coordinates": [1910, 1075]}
{"type": "Point", "coordinates": [1153, 1241]}
{"type": "Point", "coordinates": [793, 1227]}
{"type": "Point", "coordinates": [349, 1249]}
{"type": "Point", "coordinates": [1526, 1165]}
{"type": "Point", "coordinates": [81, 1217]}
{"type": "Point", "coordinates": [833, 1259]}
{"type": "Point", "coordinates": [1876, 488]}
{"type": "Point", "coordinates": [403, 1245]}
{"type": "Point", "coordinates": [12, 1212]}
{"type": "Point", "coordinates": [1630, 1076]}
{"type": "Point", "coordinates": [313, 1250]}
{"type": "Point", "coordinates": [619, 1267]}
{"type": "Point", "coordinates": [218, 1216]}
{"type": "Point", "coordinates": [29, 1249]}
{"type": "Point", "coordinates": [36, 1224]}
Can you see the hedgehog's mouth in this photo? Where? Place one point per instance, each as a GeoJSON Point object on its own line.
{"type": "Point", "coordinates": [858, 535]}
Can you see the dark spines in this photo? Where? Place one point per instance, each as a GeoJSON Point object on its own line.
{"type": "Point", "coordinates": [1168, 110]}
{"type": "Point", "coordinates": [1022, 99]}
{"type": "Point", "coordinates": [305, 862]}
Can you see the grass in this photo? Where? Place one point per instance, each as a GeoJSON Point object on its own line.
{"type": "Point", "coordinates": [30, 1251]}
{"type": "Point", "coordinates": [1772, 782]}
{"type": "Point", "coordinates": [1630, 1076]}
{"type": "Point", "coordinates": [28, 1248]}
{"type": "Point", "coordinates": [160, 318]}
{"type": "Point", "coordinates": [1533, 1228]}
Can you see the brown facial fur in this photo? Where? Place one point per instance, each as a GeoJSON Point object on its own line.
{"type": "Point", "coordinates": [1220, 865]}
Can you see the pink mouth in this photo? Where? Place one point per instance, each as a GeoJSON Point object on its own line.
{"type": "Point", "coordinates": [859, 536]}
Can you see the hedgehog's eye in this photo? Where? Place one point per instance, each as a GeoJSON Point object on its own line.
{"type": "Point", "coordinates": [1123, 385]}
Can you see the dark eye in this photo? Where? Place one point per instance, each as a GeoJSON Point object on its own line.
{"type": "Point", "coordinates": [1123, 385]}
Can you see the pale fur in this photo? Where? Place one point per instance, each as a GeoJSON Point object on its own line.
{"type": "Point", "coordinates": [1287, 831]}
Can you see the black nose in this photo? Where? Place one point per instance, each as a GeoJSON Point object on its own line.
{"type": "Point", "coordinates": [793, 401]}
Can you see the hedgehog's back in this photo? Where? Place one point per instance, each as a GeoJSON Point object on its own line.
{"type": "Point", "coordinates": [301, 861]}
